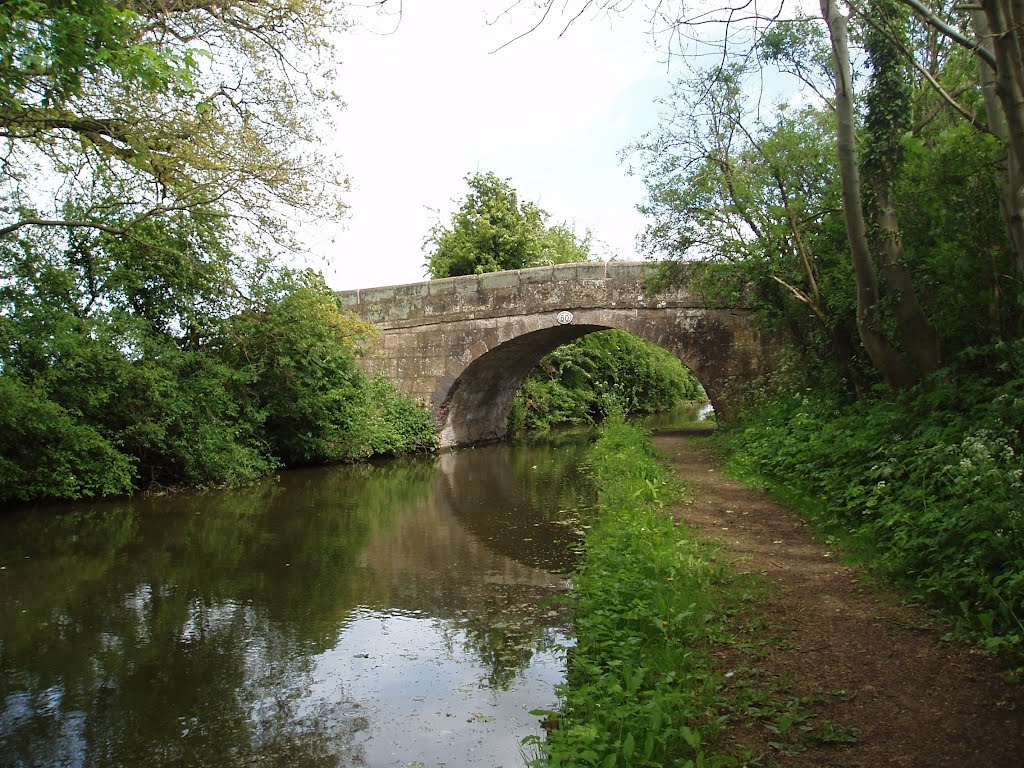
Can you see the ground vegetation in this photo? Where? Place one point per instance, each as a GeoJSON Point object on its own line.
{"type": "Point", "coordinates": [648, 603]}
{"type": "Point", "coordinates": [715, 628]}
{"type": "Point", "coordinates": [927, 489]}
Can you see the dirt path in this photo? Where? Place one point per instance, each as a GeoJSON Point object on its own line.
{"type": "Point", "coordinates": [826, 645]}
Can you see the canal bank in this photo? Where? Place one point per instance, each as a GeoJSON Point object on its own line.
{"type": "Point", "coordinates": [733, 638]}
{"type": "Point", "coordinates": [829, 667]}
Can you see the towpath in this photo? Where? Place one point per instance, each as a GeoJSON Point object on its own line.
{"type": "Point", "coordinates": [828, 656]}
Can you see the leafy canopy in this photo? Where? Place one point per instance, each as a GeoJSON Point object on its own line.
{"type": "Point", "coordinates": [493, 230]}
{"type": "Point", "coordinates": [114, 113]}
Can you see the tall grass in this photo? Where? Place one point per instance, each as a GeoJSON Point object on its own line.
{"type": "Point", "coordinates": [649, 602]}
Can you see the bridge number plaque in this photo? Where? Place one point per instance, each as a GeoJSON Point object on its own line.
{"type": "Point", "coordinates": [564, 317]}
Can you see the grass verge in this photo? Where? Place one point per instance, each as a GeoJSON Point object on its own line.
{"type": "Point", "coordinates": [649, 603]}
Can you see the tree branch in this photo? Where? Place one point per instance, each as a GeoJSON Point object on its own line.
{"type": "Point", "coordinates": [930, 18]}
{"type": "Point", "coordinates": [33, 221]}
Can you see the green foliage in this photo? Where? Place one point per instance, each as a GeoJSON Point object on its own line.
{"type": "Point", "coordinates": [49, 47]}
{"type": "Point", "coordinates": [930, 484]}
{"type": "Point", "coordinates": [147, 335]}
{"type": "Point", "coordinates": [648, 603]}
{"type": "Point", "coordinates": [47, 452]}
{"type": "Point", "coordinates": [296, 351]}
{"type": "Point", "coordinates": [888, 101]}
{"type": "Point", "coordinates": [758, 203]}
{"type": "Point", "coordinates": [109, 121]}
{"type": "Point", "coordinates": [798, 48]}
{"type": "Point", "coordinates": [582, 382]}
{"type": "Point", "coordinates": [109, 401]}
{"type": "Point", "coordinates": [146, 327]}
{"type": "Point", "coordinates": [753, 192]}
{"type": "Point", "coordinates": [954, 236]}
{"type": "Point", "coordinates": [393, 424]}
{"type": "Point", "coordinates": [493, 230]}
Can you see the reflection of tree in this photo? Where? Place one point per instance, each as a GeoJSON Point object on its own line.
{"type": "Point", "coordinates": [506, 637]}
{"type": "Point", "coordinates": [178, 631]}
{"type": "Point", "coordinates": [182, 630]}
{"type": "Point", "coordinates": [527, 502]}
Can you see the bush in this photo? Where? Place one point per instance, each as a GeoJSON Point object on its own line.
{"type": "Point", "coordinates": [394, 424]}
{"type": "Point", "coordinates": [582, 382]}
{"type": "Point", "coordinates": [47, 453]}
{"type": "Point", "coordinates": [297, 352]}
{"type": "Point", "coordinates": [930, 483]}
{"type": "Point", "coordinates": [107, 405]}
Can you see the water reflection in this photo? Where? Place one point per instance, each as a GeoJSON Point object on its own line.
{"type": "Point", "coordinates": [527, 504]}
{"type": "Point", "coordinates": [370, 615]}
{"type": "Point", "coordinates": [689, 415]}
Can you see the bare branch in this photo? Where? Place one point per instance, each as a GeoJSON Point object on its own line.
{"type": "Point", "coordinates": [70, 224]}
{"type": "Point", "coordinates": [943, 93]}
{"type": "Point", "coordinates": [949, 98]}
{"type": "Point", "coordinates": [534, 28]}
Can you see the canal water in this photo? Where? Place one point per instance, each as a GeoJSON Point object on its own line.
{"type": "Point", "coordinates": [399, 614]}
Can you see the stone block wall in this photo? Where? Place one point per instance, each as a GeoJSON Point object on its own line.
{"type": "Point", "coordinates": [463, 345]}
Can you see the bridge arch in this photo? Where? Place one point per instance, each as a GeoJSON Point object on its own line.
{"type": "Point", "coordinates": [464, 345]}
{"type": "Point", "coordinates": [475, 406]}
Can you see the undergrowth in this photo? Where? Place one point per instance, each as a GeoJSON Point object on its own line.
{"type": "Point", "coordinates": [927, 487]}
{"type": "Point", "coordinates": [649, 603]}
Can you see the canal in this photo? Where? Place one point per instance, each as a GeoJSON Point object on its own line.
{"type": "Point", "coordinates": [407, 613]}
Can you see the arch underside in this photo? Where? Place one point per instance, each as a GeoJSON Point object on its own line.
{"type": "Point", "coordinates": [474, 407]}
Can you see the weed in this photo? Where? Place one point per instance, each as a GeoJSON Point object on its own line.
{"type": "Point", "coordinates": [830, 733]}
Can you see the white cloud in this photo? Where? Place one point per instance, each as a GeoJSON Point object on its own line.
{"type": "Point", "coordinates": [428, 104]}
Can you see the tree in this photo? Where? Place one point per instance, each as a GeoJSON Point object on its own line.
{"type": "Point", "coordinates": [114, 113]}
{"type": "Point", "coordinates": [492, 230]}
{"type": "Point", "coordinates": [912, 53]}
{"type": "Point", "coordinates": [156, 154]}
{"type": "Point", "coordinates": [756, 199]}
{"type": "Point", "coordinates": [917, 86]}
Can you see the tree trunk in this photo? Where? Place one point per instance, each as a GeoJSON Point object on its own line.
{"type": "Point", "coordinates": [1011, 200]}
{"type": "Point", "coordinates": [919, 338]}
{"type": "Point", "coordinates": [885, 357]}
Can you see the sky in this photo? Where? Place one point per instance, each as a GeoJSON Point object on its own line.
{"type": "Point", "coordinates": [429, 103]}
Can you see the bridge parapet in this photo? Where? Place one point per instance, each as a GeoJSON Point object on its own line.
{"type": "Point", "coordinates": [572, 287]}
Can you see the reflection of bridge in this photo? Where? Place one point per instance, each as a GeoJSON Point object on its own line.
{"type": "Point", "coordinates": [487, 534]}
{"type": "Point", "coordinates": [465, 344]}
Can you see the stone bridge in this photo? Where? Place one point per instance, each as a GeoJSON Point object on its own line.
{"type": "Point", "coordinates": [463, 345]}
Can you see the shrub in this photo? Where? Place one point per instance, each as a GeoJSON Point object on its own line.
{"type": "Point", "coordinates": [929, 482]}
{"type": "Point", "coordinates": [47, 453]}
